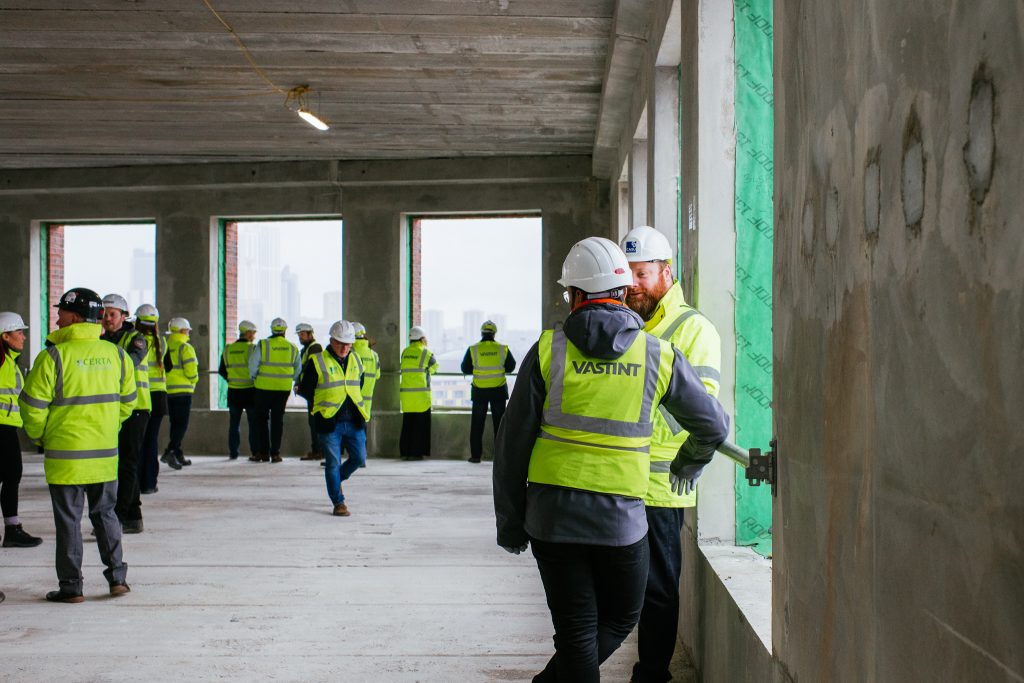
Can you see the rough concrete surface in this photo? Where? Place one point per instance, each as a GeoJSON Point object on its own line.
{"type": "Point", "coordinates": [243, 574]}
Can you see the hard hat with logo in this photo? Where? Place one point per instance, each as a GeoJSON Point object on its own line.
{"type": "Point", "coordinates": [246, 326]}
{"type": "Point", "coordinates": [416, 333]}
{"type": "Point", "coordinates": [360, 330]}
{"type": "Point", "coordinates": [343, 331]}
{"type": "Point", "coordinates": [594, 265]}
{"type": "Point", "coordinates": [11, 322]}
{"type": "Point", "coordinates": [178, 325]}
{"type": "Point", "coordinates": [489, 326]}
{"type": "Point", "coordinates": [644, 243]}
{"type": "Point", "coordinates": [303, 327]}
{"type": "Point", "coordinates": [278, 325]}
{"type": "Point", "coordinates": [82, 301]}
{"type": "Point", "coordinates": [147, 313]}
{"type": "Point", "coordinates": [115, 301]}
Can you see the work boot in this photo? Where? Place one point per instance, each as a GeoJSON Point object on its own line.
{"type": "Point", "coordinates": [310, 455]}
{"type": "Point", "coordinates": [61, 596]}
{"type": "Point", "coordinates": [233, 457]}
{"type": "Point", "coordinates": [276, 457]}
{"type": "Point", "coordinates": [2, 596]}
{"type": "Point", "coordinates": [182, 460]}
{"type": "Point", "coordinates": [16, 537]}
{"type": "Point", "coordinates": [131, 526]}
{"type": "Point", "coordinates": [120, 588]}
{"type": "Point", "coordinates": [255, 457]}
{"type": "Point", "coordinates": [170, 459]}
{"type": "Point", "coordinates": [341, 510]}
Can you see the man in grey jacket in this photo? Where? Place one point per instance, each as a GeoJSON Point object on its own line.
{"type": "Point", "coordinates": [572, 457]}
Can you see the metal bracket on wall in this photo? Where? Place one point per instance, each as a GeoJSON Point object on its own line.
{"type": "Point", "coordinates": [759, 468]}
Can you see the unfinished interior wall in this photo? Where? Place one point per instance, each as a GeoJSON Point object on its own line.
{"type": "Point", "coordinates": [186, 201]}
{"type": "Point", "coordinates": [899, 551]}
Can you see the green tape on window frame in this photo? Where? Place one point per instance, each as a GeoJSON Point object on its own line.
{"type": "Point", "coordinates": [754, 246]}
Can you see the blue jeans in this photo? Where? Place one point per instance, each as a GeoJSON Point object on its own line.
{"type": "Point", "coordinates": [348, 437]}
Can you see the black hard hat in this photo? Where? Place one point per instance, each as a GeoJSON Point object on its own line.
{"type": "Point", "coordinates": [84, 302]}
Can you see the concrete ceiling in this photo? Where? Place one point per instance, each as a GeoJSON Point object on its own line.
{"type": "Point", "coordinates": [123, 82]}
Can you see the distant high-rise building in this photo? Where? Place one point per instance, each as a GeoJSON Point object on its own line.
{"type": "Point", "coordinates": [290, 308]}
{"type": "Point", "coordinates": [332, 305]}
{"type": "Point", "coordinates": [433, 323]}
{"type": "Point", "coordinates": [501, 320]}
{"type": "Point", "coordinates": [471, 322]}
{"type": "Point", "coordinates": [142, 278]}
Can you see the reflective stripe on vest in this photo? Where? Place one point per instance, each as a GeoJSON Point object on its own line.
{"type": "Point", "coordinates": [580, 444]}
{"type": "Point", "coordinates": [155, 365]}
{"type": "Point", "coordinates": [272, 374]}
{"type": "Point", "coordinates": [143, 401]}
{"type": "Point", "coordinates": [236, 363]}
{"type": "Point", "coordinates": [331, 393]}
{"type": "Point", "coordinates": [492, 375]}
{"type": "Point", "coordinates": [10, 375]}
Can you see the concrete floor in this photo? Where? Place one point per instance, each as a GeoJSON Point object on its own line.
{"type": "Point", "coordinates": [243, 574]}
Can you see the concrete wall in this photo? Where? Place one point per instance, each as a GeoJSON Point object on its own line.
{"type": "Point", "coordinates": [899, 527]}
{"type": "Point", "coordinates": [186, 201]}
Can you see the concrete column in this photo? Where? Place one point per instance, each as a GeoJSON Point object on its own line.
{"type": "Point", "coordinates": [663, 152]}
{"type": "Point", "coordinates": [638, 184]}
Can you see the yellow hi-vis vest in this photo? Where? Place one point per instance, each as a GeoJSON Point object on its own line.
{"type": "Point", "coordinates": [334, 385]}
{"type": "Point", "coordinates": [184, 373]}
{"type": "Point", "coordinates": [144, 401]}
{"type": "Point", "coordinates": [75, 398]}
{"type": "Point", "coordinates": [236, 362]}
{"type": "Point", "coordinates": [595, 431]}
{"type": "Point", "coordinates": [155, 363]}
{"type": "Point", "coordinates": [371, 371]}
{"type": "Point", "coordinates": [418, 364]}
{"type": "Point", "coordinates": [488, 364]}
{"type": "Point", "coordinates": [697, 339]}
{"type": "Point", "coordinates": [277, 364]}
{"type": "Point", "coordinates": [10, 386]}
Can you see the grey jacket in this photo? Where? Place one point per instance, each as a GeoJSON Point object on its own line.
{"type": "Point", "coordinates": [562, 515]}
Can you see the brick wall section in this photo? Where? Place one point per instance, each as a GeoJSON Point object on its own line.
{"type": "Point", "coordinates": [230, 281]}
{"type": "Point", "coordinates": [415, 270]}
{"type": "Point", "coordinates": [55, 268]}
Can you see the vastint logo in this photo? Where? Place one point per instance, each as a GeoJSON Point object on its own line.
{"type": "Point", "coordinates": [587, 367]}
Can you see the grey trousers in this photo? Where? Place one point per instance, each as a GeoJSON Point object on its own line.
{"type": "Point", "coordinates": [68, 505]}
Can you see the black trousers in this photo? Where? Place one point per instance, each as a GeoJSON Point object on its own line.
{"type": "Point", "coordinates": [269, 420]}
{"type": "Point", "coordinates": [314, 436]}
{"type": "Point", "coordinates": [10, 470]}
{"type": "Point", "coordinates": [476, 428]}
{"type": "Point", "coordinates": [149, 466]}
{"type": "Point", "coordinates": [659, 619]}
{"type": "Point", "coordinates": [240, 400]}
{"type": "Point", "coordinates": [129, 445]}
{"type": "Point", "coordinates": [414, 441]}
{"type": "Point", "coordinates": [595, 594]}
{"type": "Point", "coordinates": [179, 406]}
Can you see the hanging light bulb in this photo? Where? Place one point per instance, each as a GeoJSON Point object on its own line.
{"type": "Point", "coordinates": [295, 101]}
{"type": "Point", "coordinates": [312, 119]}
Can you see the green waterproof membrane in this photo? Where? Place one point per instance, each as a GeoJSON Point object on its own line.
{"type": "Point", "coordinates": [222, 385]}
{"type": "Point", "coordinates": [754, 237]}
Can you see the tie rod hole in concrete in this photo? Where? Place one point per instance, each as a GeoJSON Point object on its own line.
{"type": "Point", "coordinates": [913, 174]}
{"type": "Point", "coordinates": [872, 195]}
{"type": "Point", "coordinates": [980, 149]}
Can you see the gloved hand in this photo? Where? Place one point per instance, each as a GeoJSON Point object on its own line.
{"type": "Point", "coordinates": [680, 486]}
{"type": "Point", "coordinates": [515, 549]}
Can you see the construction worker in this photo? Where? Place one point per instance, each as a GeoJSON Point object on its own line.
{"type": "Point", "coordinates": [78, 393]}
{"type": "Point", "coordinates": [12, 343]}
{"type": "Point", "coordinates": [309, 346]}
{"type": "Point", "coordinates": [334, 379]}
{"type": "Point", "coordinates": [147, 322]}
{"type": "Point", "coordinates": [418, 364]}
{"type": "Point", "coordinates": [234, 367]}
{"type": "Point", "coordinates": [658, 298]}
{"type": "Point", "coordinates": [182, 368]}
{"type": "Point", "coordinates": [274, 367]}
{"type": "Point", "coordinates": [118, 330]}
{"type": "Point", "coordinates": [371, 366]}
{"type": "Point", "coordinates": [488, 362]}
{"type": "Point", "coordinates": [571, 464]}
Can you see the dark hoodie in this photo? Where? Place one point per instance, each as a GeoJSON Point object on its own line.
{"type": "Point", "coordinates": [562, 515]}
{"type": "Point", "coordinates": [137, 348]}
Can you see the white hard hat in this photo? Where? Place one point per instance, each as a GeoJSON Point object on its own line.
{"type": "Point", "coordinates": [246, 326]}
{"type": "Point", "coordinates": [360, 330]}
{"type": "Point", "coordinates": [147, 313]}
{"type": "Point", "coordinates": [278, 325]}
{"type": "Point", "coordinates": [303, 327]}
{"type": "Point", "coordinates": [11, 322]}
{"type": "Point", "coordinates": [115, 301]}
{"type": "Point", "coordinates": [178, 325]}
{"type": "Point", "coordinates": [595, 265]}
{"type": "Point", "coordinates": [644, 243]}
{"type": "Point", "coordinates": [416, 333]}
{"type": "Point", "coordinates": [344, 332]}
